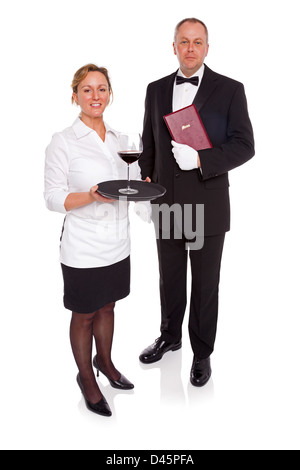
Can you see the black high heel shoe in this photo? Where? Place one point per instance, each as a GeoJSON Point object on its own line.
{"type": "Point", "coordinates": [121, 384]}
{"type": "Point", "coordinates": [101, 408]}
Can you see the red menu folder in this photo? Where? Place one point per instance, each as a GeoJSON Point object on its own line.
{"type": "Point", "coordinates": [186, 127]}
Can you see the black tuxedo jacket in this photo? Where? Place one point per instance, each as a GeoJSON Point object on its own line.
{"type": "Point", "coordinates": [222, 105]}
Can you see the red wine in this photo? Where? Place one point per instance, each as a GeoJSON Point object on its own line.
{"type": "Point", "coordinates": [130, 156]}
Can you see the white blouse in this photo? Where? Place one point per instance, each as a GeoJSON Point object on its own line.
{"type": "Point", "coordinates": [97, 234]}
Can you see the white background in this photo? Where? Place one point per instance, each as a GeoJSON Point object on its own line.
{"type": "Point", "coordinates": [252, 401]}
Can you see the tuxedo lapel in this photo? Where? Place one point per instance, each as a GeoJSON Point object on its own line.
{"type": "Point", "coordinates": [167, 90]}
{"type": "Point", "coordinates": [207, 86]}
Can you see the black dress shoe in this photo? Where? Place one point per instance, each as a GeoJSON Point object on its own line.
{"type": "Point", "coordinates": [101, 408]}
{"type": "Point", "coordinates": [200, 372]}
{"type": "Point", "coordinates": [121, 384]}
{"type": "Point", "coordinates": [156, 351]}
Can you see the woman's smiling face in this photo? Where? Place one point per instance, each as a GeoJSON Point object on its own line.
{"type": "Point", "coordinates": [92, 96]}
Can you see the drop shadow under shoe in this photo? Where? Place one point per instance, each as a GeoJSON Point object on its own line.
{"type": "Point", "coordinates": [101, 408]}
{"type": "Point", "coordinates": [156, 351]}
{"type": "Point", "coordinates": [200, 372]}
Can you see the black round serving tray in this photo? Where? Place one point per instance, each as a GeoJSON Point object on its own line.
{"type": "Point", "coordinates": [146, 191]}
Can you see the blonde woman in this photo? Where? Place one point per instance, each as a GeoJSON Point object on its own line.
{"type": "Point", "coordinates": [95, 246]}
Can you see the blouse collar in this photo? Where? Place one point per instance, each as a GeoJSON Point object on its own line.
{"type": "Point", "coordinates": [81, 129]}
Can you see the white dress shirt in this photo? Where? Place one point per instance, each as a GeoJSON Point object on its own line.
{"type": "Point", "coordinates": [96, 234]}
{"type": "Point", "coordinates": [184, 94]}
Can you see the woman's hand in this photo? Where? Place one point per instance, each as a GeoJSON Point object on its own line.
{"type": "Point", "coordinates": [97, 197]}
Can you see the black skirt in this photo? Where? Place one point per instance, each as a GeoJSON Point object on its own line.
{"type": "Point", "coordinates": [89, 289]}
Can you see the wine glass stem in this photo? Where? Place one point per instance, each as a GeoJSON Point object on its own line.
{"type": "Point", "coordinates": [128, 180]}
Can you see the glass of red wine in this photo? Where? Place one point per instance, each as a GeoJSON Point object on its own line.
{"type": "Point", "coordinates": [130, 147]}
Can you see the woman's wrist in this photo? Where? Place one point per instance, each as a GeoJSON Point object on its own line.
{"type": "Point", "coordinates": [75, 200]}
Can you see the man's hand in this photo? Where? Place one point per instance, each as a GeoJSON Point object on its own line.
{"type": "Point", "coordinates": [186, 157]}
{"type": "Point", "coordinates": [144, 210]}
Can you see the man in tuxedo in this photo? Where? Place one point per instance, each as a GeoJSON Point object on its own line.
{"type": "Point", "coordinates": [193, 178]}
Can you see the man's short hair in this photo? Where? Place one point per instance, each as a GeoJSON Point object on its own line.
{"type": "Point", "coordinates": [191, 20]}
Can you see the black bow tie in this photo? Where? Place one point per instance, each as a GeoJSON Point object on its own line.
{"type": "Point", "coordinates": [192, 80]}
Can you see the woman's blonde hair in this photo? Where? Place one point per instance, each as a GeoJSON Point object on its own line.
{"type": "Point", "coordinates": [82, 73]}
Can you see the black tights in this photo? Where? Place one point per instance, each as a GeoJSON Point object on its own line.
{"type": "Point", "coordinates": [83, 328]}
